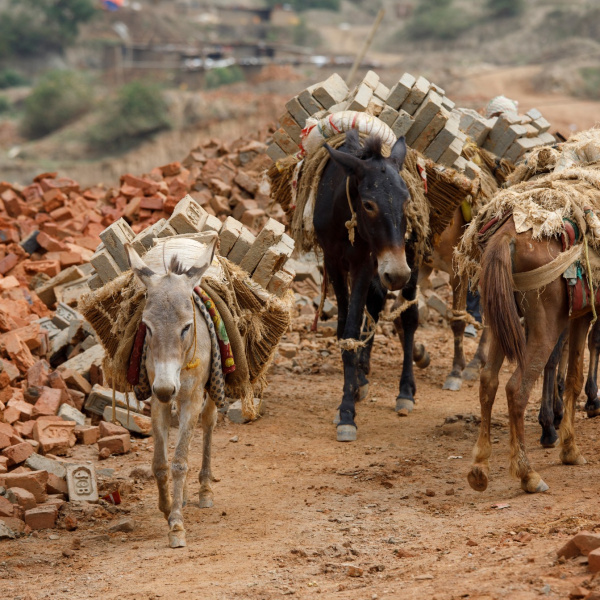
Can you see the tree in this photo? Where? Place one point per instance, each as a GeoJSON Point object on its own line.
{"type": "Point", "coordinates": [506, 8]}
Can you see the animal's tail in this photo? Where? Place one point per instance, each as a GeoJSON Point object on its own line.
{"type": "Point", "coordinates": [498, 298]}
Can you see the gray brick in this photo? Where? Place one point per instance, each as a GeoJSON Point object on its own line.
{"type": "Point", "coordinates": [431, 130]}
{"type": "Point", "coordinates": [297, 111]}
{"type": "Point", "coordinates": [212, 224]}
{"type": "Point", "coordinates": [332, 91]}
{"type": "Point", "coordinates": [474, 125]}
{"type": "Point", "coordinates": [534, 114]}
{"type": "Point", "coordinates": [460, 164]}
{"type": "Point", "coordinates": [144, 239]}
{"type": "Point", "coordinates": [114, 239]}
{"type": "Point", "coordinates": [341, 107]}
{"type": "Point", "coordinates": [541, 125]}
{"type": "Point", "coordinates": [388, 115]}
{"type": "Point", "coordinates": [402, 124]}
{"type": "Point", "coordinates": [105, 265]}
{"type": "Point", "coordinates": [448, 104]}
{"type": "Point", "coordinates": [513, 133]}
{"type": "Point", "coordinates": [371, 79]}
{"type": "Point", "coordinates": [166, 230]}
{"type": "Point", "coordinates": [188, 216]}
{"type": "Point", "coordinates": [291, 127]}
{"type": "Point", "coordinates": [416, 96]}
{"type": "Point", "coordinates": [362, 98]}
{"type": "Point", "coordinates": [94, 282]}
{"type": "Point", "coordinates": [429, 108]}
{"type": "Point", "coordinates": [275, 152]}
{"type": "Point", "coordinates": [375, 107]}
{"type": "Point", "coordinates": [497, 135]}
{"type": "Point", "coordinates": [442, 140]}
{"type": "Point", "coordinates": [308, 102]}
{"type": "Point", "coordinates": [449, 156]}
{"type": "Point", "coordinates": [271, 262]}
{"type": "Point", "coordinates": [230, 232]}
{"type": "Point", "coordinates": [382, 91]}
{"type": "Point", "coordinates": [280, 282]}
{"type": "Point", "coordinates": [400, 91]}
{"type": "Point", "coordinates": [285, 142]}
{"type": "Point", "coordinates": [270, 234]}
{"type": "Point", "coordinates": [472, 170]}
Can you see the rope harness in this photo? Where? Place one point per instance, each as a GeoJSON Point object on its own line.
{"type": "Point", "coordinates": [353, 222]}
{"type": "Point", "coordinates": [195, 362]}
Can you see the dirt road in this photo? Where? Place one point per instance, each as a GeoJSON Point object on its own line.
{"type": "Point", "coordinates": [293, 506]}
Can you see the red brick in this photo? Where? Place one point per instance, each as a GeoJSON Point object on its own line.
{"type": "Point", "coordinates": [171, 169]}
{"type": "Point", "coordinates": [17, 351]}
{"type": "Point", "coordinates": [18, 453]}
{"type": "Point", "coordinates": [37, 376]}
{"type": "Point", "coordinates": [8, 262]}
{"type": "Point", "coordinates": [49, 243]}
{"type": "Point", "coordinates": [32, 481]}
{"type": "Point", "coordinates": [42, 517]}
{"type": "Point", "coordinates": [4, 441]}
{"type": "Point", "coordinates": [76, 381]}
{"type": "Point", "coordinates": [109, 429]}
{"type": "Point", "coordinates": [62, 214]}
{"type": "Point", "coordinates": [54, 435]}
{"type": "Point", "coordinates": [87, 434]}
{"type": "Point", "coordinates": [25, 498]}
{"type": "Point", "coordinates": [587, 541]}
{"type": "Point", "coordinates": [25, 409]}
{"type": "Point", "coordinates": [155, 202]}
{"type": "Point", "coordinates": [6, 507]}
{"type": "Point", "coordinates": [48, 403]}
{"type": "Point", "coordinates": [11, 415]}
{"type": "Point", "coordinates": [14, 523]}
{"type": "Point", "coordinates": [56, 485]}
{"type": "Point", "coordinates": [25, 429]}
{"type": "Point", "coordinates": [68, 259]}
{"type": "Point", "coordinates": [594, 560]}
{"type": "Point", "coordinates": [49, 267]}
{"type": "Point", "coordinates": [6, 429]}
{"type": "Point", "coordinates": [116, 444]}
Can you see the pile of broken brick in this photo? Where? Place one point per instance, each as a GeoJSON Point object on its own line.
{"type": "Point", "coordinates": [52, 392]}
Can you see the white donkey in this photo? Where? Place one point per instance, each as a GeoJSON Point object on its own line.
{"type": "Point", "coordinates": [178, 362]}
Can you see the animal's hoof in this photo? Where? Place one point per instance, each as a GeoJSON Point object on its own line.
{"type": "Point", "coordinates": [593, 408]}
{"type": "Point", "coordinates": [404, 406]}
{"type": "Point", "coordinates": [572, 458]}
{"type": "Point", "coordinates": [346, 433]}
{"type": "Point", "coordinates": [206, 502]}
{"type": "Point", "coordinates": [550, 440]}
{"type": "Point", "coordinates": [421, 356]}
{"type": "Point", "coordinates": [177, 539]}
{"type": "Point", "coordinates": [363, 392]}
{"type": "Point", "coordinates": [452, 383]}
{"type": "Point", "coordinates": [336, 419]}
{"type": "Point", "coordinates": [470, 374]}
{"type": "Point", "coordinates": [534, 485]}
{"type": "Point", "coordinates": [478, 478]}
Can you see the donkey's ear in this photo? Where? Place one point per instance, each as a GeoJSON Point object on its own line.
{"type": "Point", "coordinates": [350, 163]}
{"type": "Point", "coordinates": [143, 272]}
{"type": "Point", "coordinates": [203, 261]}
{"type": "Point", "coordinates": [398, 153]}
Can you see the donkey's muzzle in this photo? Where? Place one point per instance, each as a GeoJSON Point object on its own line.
{"type": "Point", "coordinates": [393, 269]}
{"type": "Point", "coordinates": [163, 393]}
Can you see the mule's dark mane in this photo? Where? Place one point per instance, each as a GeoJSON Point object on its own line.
{"type": "Point", "coordinates": [371, 147]}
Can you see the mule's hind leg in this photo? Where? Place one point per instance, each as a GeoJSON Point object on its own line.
{"type": "Point", "coordinates": [209, 420]}
{"type": "Point", "coordinates": [592, 406]}
{"type": "Point", "coordinates": [161, 421]}
{"type": "Point", "coordinates": [570, 454]}
{"type": "Point", "coordinates": [188, 417]}
{"type": "Point", "coordinates": [459, 301]}
{"type": "Point", "coordinates": [479, 474]}
{"type": "Point", "coordinates": [471, 372]}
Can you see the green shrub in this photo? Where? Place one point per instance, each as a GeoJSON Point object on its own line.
{"type": "Point", "coordinates": [138, 111]}
{"type": "Point", "coordinates": [506, 8]}
{"type": "Point", "coordinates": [437, 19]}
{"type": "Point", "coordinates": [4, 105]}
{"type": "Point", "coordinates": [11, 78]}
{"type": "Point", "coordinates": [591, 82]}
{"type": "Point", "coordinates": [59, 98]}
{"type": "Point", "coordinates": [309, 4]}
{"type": "Point", "coordinates": [223, 76]}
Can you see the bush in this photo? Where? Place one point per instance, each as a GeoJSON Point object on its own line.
{"type": "Point", "coordinates": [591, 82]}
{"type": "Point", "coordinates": [11, 78]}
{"type": "Point", "coordinates": [506, 8]}
{"type": "Point", "coordinates": [4, 105]}
{"type": "Point", "coordinates": [137, 112]}
{"type": "Point", "coordinates": [309, 4]}
{"type": "Point", "coordinates": [437, 19]}
{"type": "Point", "coordinates": [58, 99]}
{"type": "Point", "coordinates": [223, 76]}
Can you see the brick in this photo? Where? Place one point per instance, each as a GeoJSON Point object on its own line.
{"type": "Point", "coordinates": [101, 397]}
{"type": "Point", "coordinates": [272, 261]}
{"type": "Point", "coordinates": [460, 164]}
{"type": "Point", "coordinates": [431, 130]}
{"type": "Point", "coordinates": [361, 99]}
{"type": "Point", "coordinates": [56, 485]}
{"type": "Point", "coordinates": [443, 139]}
{"type": "Point", "coordinates": [448, 104]}
{"type": "Point", "coordinates": [331, 91]}
{"type": "Point", "coordinates": [11, 415]}
{"type": "Point", "coordinates": [212, 224]}
{"type": "Point", "coordinates": [25, 409]}
{"type": "Point", "coordinates": [6, 507]}
{"type": "Point", "coordinates": [253, 218]}
{"type": "Point", "coordinates": [42, 517]}
{"type": "Point", "coordinates": [241, 246]}
{"type": "Point", "coordinates": [25, 499]}
{"type": "Point", "coordinates": [133, 422]}
{"type": "Point", "coordinates": [18, 352]}
{"type": "Point", "coordinates": [82, 363]}
{"type": "Point", "coordinates": [275, 152]}
{"type": "Point", "coordinates": [594, 560]}
{"type": "Point", "coordinates": [472, 170]}
{"type": "Point", "coordinates": [32, 481]}
{"type": "Point", "coordinates": [18, 453]}
{"type": "Point", "coordinates": [371, 79]}
{"type": "Point", "coordinates": [291, 127]}
{"type": "Point", "coordinates": [47, 267]}
{"type": "Point", "coordinates": [534, 114]}
{"type": "Point", "coordinates": [500, 129]}
{"type": "Point", "coordinates": [48, 403]}
{"type": "Point", "coordinates": [108, 429]}
{"type": "Point", "coordinates": [376, 105]}
{"type": "Point", "coordinates": [280, 283]}
{"type": "Point", "coordinates": [453, 151]}
{"type": "Point", "coordinates": [116, 444]}
{"type": "Point", "coordinates": [297, 111]}
{"type": "Point", "coordinates": [81, 483]}
{"type": "Point", "coordinates": [402, 124]}
{"type": "Point", "coordinates": [230, 232]}
{"type": "Point", "coordinates": [416, 95]}
{"type": "Point", "coordinates": [76, 381]}
{"type": "Point", "coordinates": [70, 413]}
{"type": "Point", "coordinates": [37, 375]}
{"type": "Point", "coordinates": [46, 291]}
{"type": "Point", "coordinates": [4, 441]}
{"type": "Point", "coordinates": [105, 265]}
{"type": "Point", "coordinates": [309, 103]}
{"type": "Point", "coordinates": [54, 435]}
{"type": "Point", "coordinates": [429, 108]}
{"type": "Point", "coordinates": [388, 115]}
{"type": "Point", "coordinates": [87, 434]}
{"type": "Point", "coordinates": [114, 239]}
{"type": "Point", "coordinates": [37, 462]}
{"type": "Point", "coordinates": [188, 216]}
{"type": "Point", "coordinates": [382, 91]}
{"type": "Point", "coordinates": [25, 429]}
{"type": "Point", "coordinates": [285, 142]}
{"type": "Point", "coordinates": [400, 91]}
{"type": "Point", "coordinates": [8, 262]}
{"type": "Point", "coordinates": [270, 234]}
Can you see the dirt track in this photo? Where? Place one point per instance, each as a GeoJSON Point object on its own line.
{"type": "Point", "coordinates": [293, 506]}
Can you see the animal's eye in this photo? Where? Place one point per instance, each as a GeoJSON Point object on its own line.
{"type": "Point", "coordinates": [186, 329]}
{"type": "Point", "coordinates": [370, 207]}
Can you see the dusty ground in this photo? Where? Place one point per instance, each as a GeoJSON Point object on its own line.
{"type": "Point", "coordinates": [293, 505]}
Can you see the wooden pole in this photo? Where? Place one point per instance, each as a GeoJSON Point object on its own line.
{"type": "Point", "coordinates": [366, 45]}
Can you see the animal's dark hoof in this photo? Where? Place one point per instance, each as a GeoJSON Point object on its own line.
{"type": "Point", "coordinates": [404, 406]}
{"type": "Point", "coordinates": [549, 440]}
{"type": "Point", "coordinates": [470, 374]}
{"type": "Point", "coordinates": [363, 392]}
{"type": "Point", "coordinates": [452, 383]}
{"type": "Point", "coordinates": [346, 433]}
{"type": "Point", "coordinates": [592, 408]}
{"type": "Point", "coordinates": [478, 478]}
{"type": "Point", "coordinates": [421, 357]}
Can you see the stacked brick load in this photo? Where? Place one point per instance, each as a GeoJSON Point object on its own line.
{"type": "Point", "coordinates": [418, 110]}
{"type": "Point", "coordinates": [262, 256]}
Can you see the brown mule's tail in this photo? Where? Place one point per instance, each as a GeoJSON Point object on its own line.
{"type": "Point", "coordinates": [498, 298]}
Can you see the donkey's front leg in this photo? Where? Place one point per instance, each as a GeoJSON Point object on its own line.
{"type": "Point", "coordinates": [188, 417]}
{"type": "Point", "coordinates": [459, 300]}
{"type": "Point", "coordinates": [346, 429]}
{"type": "Point", "coordinates": [209, 420]}
{"type": "Point", "coordinates": [161, 421]}
{"type": "Point", "coordinates": [410, 320]}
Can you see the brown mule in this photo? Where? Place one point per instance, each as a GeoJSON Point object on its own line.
{"type": "Point", "coordinates": [546, 315]}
